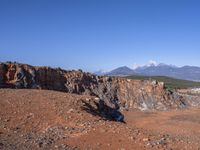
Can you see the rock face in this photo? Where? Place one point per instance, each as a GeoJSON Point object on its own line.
{"type": "Point", "coordinates": [118, 93]}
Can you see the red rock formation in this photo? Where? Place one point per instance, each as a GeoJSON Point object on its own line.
{"type": "Point", "coordinates": [115, 92]}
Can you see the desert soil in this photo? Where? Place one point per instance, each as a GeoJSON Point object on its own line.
{"type": "Point", "coordinates": [42, 119]}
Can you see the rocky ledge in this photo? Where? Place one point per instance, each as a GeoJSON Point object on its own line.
{"type": "Point", "coordinates": [117, 93]}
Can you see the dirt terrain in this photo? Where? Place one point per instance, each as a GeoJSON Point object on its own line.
{"type": "Point", "coordinates": [44, 119]}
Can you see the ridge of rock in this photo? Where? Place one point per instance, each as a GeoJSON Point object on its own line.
{"type": "Point", "coordinates": [118, 93]}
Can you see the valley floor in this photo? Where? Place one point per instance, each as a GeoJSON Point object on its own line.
{"type": "Point", "coordinates": [42, 119]}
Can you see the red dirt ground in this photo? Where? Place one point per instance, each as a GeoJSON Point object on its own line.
{"type": "Point", "coordinates": [42, 119]}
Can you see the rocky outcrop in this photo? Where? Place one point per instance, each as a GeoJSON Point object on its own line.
{"type": "Point", "coordinates": [115, 92]}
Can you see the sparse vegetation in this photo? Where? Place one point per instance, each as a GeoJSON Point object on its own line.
{"type": "Point", "coordinates": [170, 83]}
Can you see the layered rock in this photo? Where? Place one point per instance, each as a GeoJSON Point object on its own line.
{"type": "Point", "coordinates": [115, 92]}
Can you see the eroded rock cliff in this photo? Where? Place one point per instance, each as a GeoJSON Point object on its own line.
{"type": "Point", "coordinates": [115, 92]}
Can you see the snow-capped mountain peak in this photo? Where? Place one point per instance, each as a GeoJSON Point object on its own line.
{"type": "Point", "coordinates": [151, 63]}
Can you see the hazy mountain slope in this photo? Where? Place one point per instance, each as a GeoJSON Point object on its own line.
{"type": "Point", "coordinates": [121, 71]}
{"type": "Point", "coordinates": [185, 72]}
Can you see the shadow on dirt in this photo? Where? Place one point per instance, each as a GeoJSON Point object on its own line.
{"type": "Point", "coordinates": [104, 111]}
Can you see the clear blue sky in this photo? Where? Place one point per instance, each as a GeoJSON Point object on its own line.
{"type": "Point", "coordinates": [100, 34]}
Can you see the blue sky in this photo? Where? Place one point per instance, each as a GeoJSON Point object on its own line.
{"type": "Point", "coordinates": [100, 34]}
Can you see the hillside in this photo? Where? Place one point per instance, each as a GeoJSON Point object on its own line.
{"type": "Point", "coordinates": [115, 92]}
{"type": "Point", "coordinates": [185, 73]}
{"type": "Point", "coordinates": [121, 71]}
{"type": "Point", "coordinates": [170, 83]}
{"type": "Point", "coordinates": [51, 108]}
{"type": "Point", "coordinates": [51, 120]}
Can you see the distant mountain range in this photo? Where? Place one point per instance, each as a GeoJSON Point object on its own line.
{"type": "Point", "coordinates": [185, 72]}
